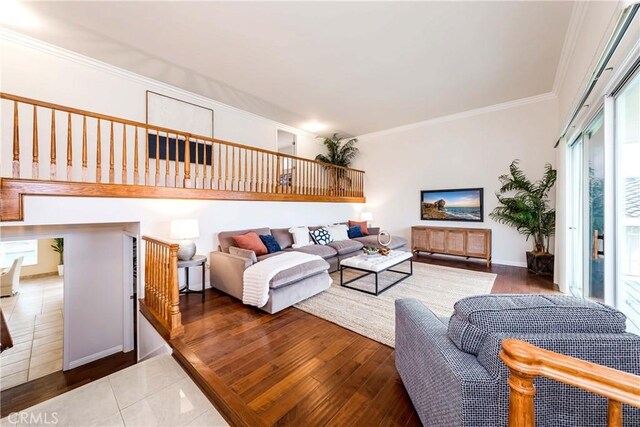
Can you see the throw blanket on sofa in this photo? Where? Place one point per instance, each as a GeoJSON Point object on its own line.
{"type": "Point", "coordinates": [257, 277]}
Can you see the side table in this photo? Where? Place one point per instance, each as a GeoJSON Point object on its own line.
{"type": "Point", "coordinates": [197, 260]}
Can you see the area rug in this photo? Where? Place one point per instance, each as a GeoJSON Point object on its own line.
{"type": "Point", "coordinates": [374, 316]}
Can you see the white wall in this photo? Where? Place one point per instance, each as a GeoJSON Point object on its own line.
{"type": "Point", "coordinates": [469, 150]}
{"type": "Point", "coordinates": [94, 310]}
{"type": "Point", "coordinates": [48, 260]}
{"type": "Point", "coordinates": [37, 70]}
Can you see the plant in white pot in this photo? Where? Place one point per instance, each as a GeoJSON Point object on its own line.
{"type": "Point", "coordinates": [58, 246]}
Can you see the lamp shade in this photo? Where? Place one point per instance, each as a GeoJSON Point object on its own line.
{"type": "Point", "coordinates": [184, 229]}
{"type": "Point", "coordinates": [366, 216]}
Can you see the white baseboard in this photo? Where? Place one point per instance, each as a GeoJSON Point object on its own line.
{"type": "Point", "coordinates": [95, 356]}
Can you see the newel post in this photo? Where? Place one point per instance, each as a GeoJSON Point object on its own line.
{"type": "Point", "coordinates": [175, 318]}
{"type": "Point", "coordinates": [521, 388]}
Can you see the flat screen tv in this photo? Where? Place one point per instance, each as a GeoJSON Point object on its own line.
{"type": "Point", "coordinates": [463, 204]}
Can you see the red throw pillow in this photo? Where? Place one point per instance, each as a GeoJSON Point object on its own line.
{"type": "Point", "coordinates": [250, 241]}
{"type": "Point", "coordinates": [362, 224]}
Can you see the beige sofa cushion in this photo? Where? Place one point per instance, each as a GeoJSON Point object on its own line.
{"type": "Point", "coordinates": [323, 251]}
{"type": "Point", "coordinates": [297, 273]}
{"type": "Point", "coordinates": [283, 237]}
{"type": "Point", "coordinates": [346, 246]}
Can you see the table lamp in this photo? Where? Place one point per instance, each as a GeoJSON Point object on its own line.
{"type": "Point", "coordinates": [366, 216]}
{"type": "Point", "coordinates": [184, 230]}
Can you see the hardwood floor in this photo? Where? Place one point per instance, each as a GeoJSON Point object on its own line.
{"type": "Point", "coordinates": [510, 280]}
{"type": "Point", "coordinates": [33, 392]}
{"type": "Point", "coordinates": [293, 368]}
{"type": "Point", "coordinates": [290, 368]}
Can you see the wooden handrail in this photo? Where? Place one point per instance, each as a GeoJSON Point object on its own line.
{"type": "Point", "coordinates": [134, 123]}
{"type": "Point", "coordinates": [161, 295]}
{"type": "Point", "coordinates": [526, 362]}
{"type": "Point", "coordinates": [217, 164]}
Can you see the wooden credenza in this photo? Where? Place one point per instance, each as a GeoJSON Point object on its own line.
{"type": "Point", "coordinates": [466, 242]}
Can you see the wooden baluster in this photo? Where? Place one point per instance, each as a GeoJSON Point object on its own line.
{"type": "Point", "coordinates": [146, 271]}
{"type": "Point", "coordinates": [278, 186]}
{"type": "Point", "coordinates": [187, 161]}
{"type": "Point", "coordinates": [157, 174]}
{"type": "Point", "coordinates": [167, 158]}
{"type": "Point", "coordinates": [53, 164]}
{"type": "Point", "coordinates": [112, 170]}
{"type": "Point", "coordinates": [245, 175]}
{"type": "Point", "coordinates": [146, 156]}
{"type": "Point", "coordinates": [226, 167]}
{"type": "Point", "coordinates": [204, 163]}
{"type": "Point", "coordinates": [35, 163]}
{"type": "Point", "coordinates": [265, 175]}
{"type": "Point", "coordinates": [269, 187]}
{"type": "Point", "coordinates": [98, 154]}
{"type": "Point", "coordinates": [197, 166]}
{"type": "Point", "coordinates": [176, 162]}
{"type": "Point", "coordinates": [124, 153]}
{"type": "Point", "coordinates": [166, 295]}
{"type": "Point", "coordinates": [240, 172]}
{"type": "Point", "coordinates": [233, 166]}
{"type": "Point", "coordinates": [219, 166]}
{"type": "Point", "coordinates": [250, 170]}
{"type": "Point", "coordinates": [614, 415]}
{"type": "Point", "coordinates": [254, 171]}
{"type": "Point", "coordinates": [315, 177]}
{"type": "Point", "coordinates": [136, 177]}
{"type": "Point", "coordinates": [210, 182]}
{"type": "Point", "coordinates": [69, 149]}
{"type": "Point", "coordinates": [16, 142]}
{"type": "Point", "coordinates": [85, 171]}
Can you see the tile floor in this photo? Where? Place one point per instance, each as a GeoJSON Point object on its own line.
{"type": "Point", "coordinates": [34, 317]}
{"type": "Point", "coordinates": [156, 392]}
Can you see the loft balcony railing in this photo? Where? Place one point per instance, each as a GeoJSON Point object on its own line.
{"type": "Point", "coordinates": [58, 150]}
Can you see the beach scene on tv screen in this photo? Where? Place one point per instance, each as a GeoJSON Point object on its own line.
{"type": "Point", "coordinates": [461, 205]}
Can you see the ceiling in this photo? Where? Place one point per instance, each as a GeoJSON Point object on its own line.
{"type": "Point", "coordinates": [359, 67]}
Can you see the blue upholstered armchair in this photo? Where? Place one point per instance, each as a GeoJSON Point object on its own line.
{"type": "Point", "coordinates": [453, 373]}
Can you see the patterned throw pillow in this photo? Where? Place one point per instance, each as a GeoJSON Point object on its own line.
{"type": "Point", "coordinates": [321, 236]}
{"type": "Point", "coordinates": [271, 243]}
{"type": "Point", "coordinates": [354, 232]}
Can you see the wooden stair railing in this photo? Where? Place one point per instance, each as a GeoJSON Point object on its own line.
{"type": "Point", "coordinates": [526, 362]}
{"type": "Point", "coordinates": [158, 158]}
{"type": "Point", "coordinates": [160, 304]}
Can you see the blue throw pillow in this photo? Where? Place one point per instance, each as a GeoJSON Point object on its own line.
{"type": "Point", "coordinates": [271, 243]}
{"type": "Point", "coordinates": [355, 231]}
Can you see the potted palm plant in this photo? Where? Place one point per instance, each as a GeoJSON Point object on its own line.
{"type": "Point", "coordinates": [58, 246]}
{"type": "Point", "coordinates": [339, 153]}
{"type": "Point", "coordinates": [525, 206]}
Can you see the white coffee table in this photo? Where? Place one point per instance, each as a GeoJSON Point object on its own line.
{"type": "Point", "coordinates": [376, 265]}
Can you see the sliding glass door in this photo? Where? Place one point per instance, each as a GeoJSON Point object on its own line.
{"type": "Point", "coordinates": [627, 138]}
{"type": "Point", "coordinates": [594, 220]}
{"type": "Point", "coordinates": [586, 212]}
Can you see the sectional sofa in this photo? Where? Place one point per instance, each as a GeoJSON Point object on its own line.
{"type": "Point", "coordinates": [293, 285]}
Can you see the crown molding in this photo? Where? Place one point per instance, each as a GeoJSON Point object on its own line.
{"type": "Point", "coordinates": [50, 49]}
{"type": "Point", "coordinates": [464, 114]}
{"type": "Point", "coordinates": [576, 20]}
